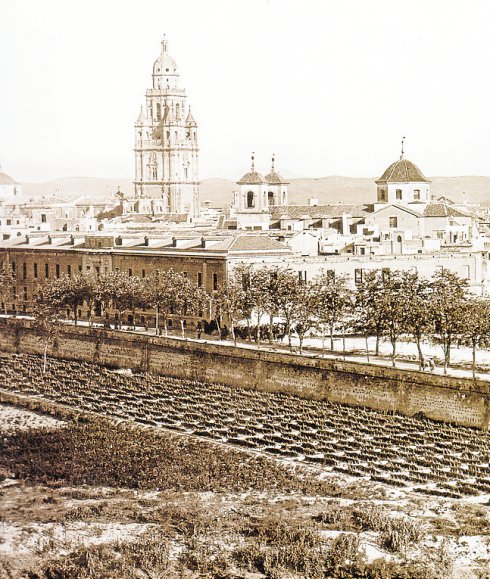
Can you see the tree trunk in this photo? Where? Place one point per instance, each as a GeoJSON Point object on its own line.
{"type": "Point", "coordinates": [393, 355]}
{"type": "Point", "coordinates": [300, 336]}
{"type": "Point", "coordinates": [447, 354]}
{"type": "Point", "coordinates": [75, 315]}
{"type": "Point", "coordinates": [376, 351]}
{"type": "Point", "coordinates": [421, 355]}
{"type": "Point", "coordinates": [157, 328]}
{"type": "Point", "coordinates": [182, 328]}
{"type": "Point", "coordinates": [331, 337]}
{"type": "Point", "coordinates": [45, 357]}
{"type": "Point", "coordinates": [271, 326]}
{"type": "Point", "coordinates": [367, 347]}
{"type": "Point", "coordinates": [343, 343]}
{"type": "Point", "coordinates": [233, 331]}
{"type": "Point", "coordinates": [473, 365]}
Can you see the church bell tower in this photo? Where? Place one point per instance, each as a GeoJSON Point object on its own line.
{"type": "Point", "coordinates": [166, 151]}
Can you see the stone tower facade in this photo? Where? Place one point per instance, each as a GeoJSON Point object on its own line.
{"type": "Point", "coordinates": [166, 150]}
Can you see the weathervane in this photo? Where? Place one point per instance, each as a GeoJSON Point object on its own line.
{"type": "Point", "coordinates": [403, 143]}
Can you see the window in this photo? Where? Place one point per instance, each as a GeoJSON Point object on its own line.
{"type": "Point", "coordinates": [97, 270]}
{"type": "Point", "coordinates": [358, 275]}
{"type": "Point", "coordinates": [43, 218]}
{"type": "Point", "coordinates": [24, 270]}
{"type": "Point", "coordinates": [399, 239]}
{"type": "Point", "coordinates": [25, 294]}
{"type": "Point", "coordinates": [398, 194]}
{"type": "Point", "coordinates": [215, 281]}
{"type": "Point", "coordinates": [382, 195]}
{"type": "Point", "coordinates": [143, 273]}
{"type": "Point", "coordinates": [80, 268]}
{"type": "Point", "coordinates": [9, 221]}
{"type": "Point", "coordinates": [46, 270]}
{"type": "Point", "coordinates": [130, 272]}
{"type": "Point", "coordinates": [362, 250]}
{"type": "Point", "coordinates": [57, 270]}
{"type": "Point", "coordinates": [199, 279]}
{"type": "Point", "coordinates": [416, 194]}
{"type": "Point", "coordinates": [68, 270]}
{"type": "Point", "coordinates": [159, 111]}
{"type": "Point", "coordinates": [250, 199]}
{"type": "Point", "coordinates": [13, 266]}
{"type": "Point", "coordinates": [393, 222]}
{"type": "Point", "coordinates": [35, 270]}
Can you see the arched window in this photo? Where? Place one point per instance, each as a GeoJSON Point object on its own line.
{"type": "Point", "coordinates": [270, 196]}
{"type": "Point", "coordinates": [159, 111]}
{"type": "Point", "coordinates": [177, 111]}
{"type": "Point", "coordinates": [399, 239]}
{"type": "Point", "coordinates": [250, 199]}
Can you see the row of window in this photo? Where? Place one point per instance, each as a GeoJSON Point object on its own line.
{"type": "Point", "coordinates": [96, 270]}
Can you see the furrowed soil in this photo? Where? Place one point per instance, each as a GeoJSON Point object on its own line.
{"type": "Point", "coordinates": [147, 476]}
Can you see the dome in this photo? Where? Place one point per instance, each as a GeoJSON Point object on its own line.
{"type": "Point", "coordinates": [6, 179]}
{"type": "Point", "coordinates": [403, 171]}
{"type": "Point", "coordinates": [274, 178]}
{"type": "Point", "coordinates": [164, 64]}
{"type": "Point", "coordinates": [252, 178]}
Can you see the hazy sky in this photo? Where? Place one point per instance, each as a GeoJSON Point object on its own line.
{"type": "Point", "coordinates": [330, 86]}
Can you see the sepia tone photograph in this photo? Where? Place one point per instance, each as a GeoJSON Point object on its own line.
{"type": "Point", "coordinates": [245, 289]}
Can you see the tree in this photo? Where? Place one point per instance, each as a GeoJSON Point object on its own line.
{"type": "Point", "coordinates": [448, 301]}
{"type": "Point", "coordinates": [334, 301]}
{"type": "Point", "coordinates": [289, 293]}
{"type": "Point", "coordinates": [369, 316]}
{"type": "Point", "coordinates": [418, 319]}
{"type": "Point", "coordinates": [305, 309]}
{"type": "Point", "coordinates": [229, 301]}
{"type": "Point", "coordinates": [393, 306]}
{"type": "Point", "coordinates": [476, 326]}
{"type": "Point", "coordinates": [158, 294]}
{"type": "Point", "coordinates": [49, 306]}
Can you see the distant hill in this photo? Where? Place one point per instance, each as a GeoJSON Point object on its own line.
{"type": "Point", "coordinates": [332, 189]}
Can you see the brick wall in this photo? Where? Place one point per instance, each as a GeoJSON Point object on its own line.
{"type": "Point", "coordinates": [461, 401]}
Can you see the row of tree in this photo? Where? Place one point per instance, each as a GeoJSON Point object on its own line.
{"type": "Point", "coordinates": [276, 302]}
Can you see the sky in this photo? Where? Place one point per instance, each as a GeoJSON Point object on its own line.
{"type": "Point", "coordinates": [329, 86]}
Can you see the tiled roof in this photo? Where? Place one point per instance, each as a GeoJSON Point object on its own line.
{"type": "Point", "coordinates": [403, 171]}
{"type": "Point", "coordinates": [256, 243]}
{"type": "Point", "coordinates": [274, 178]}
{"type": "Point", "coordinates": [319, 211]}
{"type": "Point", "coordinates": [251, 178]}
{"type": "Point", "coordinates": [443, 210]}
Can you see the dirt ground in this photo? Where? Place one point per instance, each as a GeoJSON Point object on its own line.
{"type": "Point", "coordinates": [212, 534]}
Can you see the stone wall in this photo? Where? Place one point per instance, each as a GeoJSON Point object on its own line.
{"type": "Point", "coordinates": [462, 401]}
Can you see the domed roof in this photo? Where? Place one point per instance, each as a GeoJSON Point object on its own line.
{"type": "Point", "coordinates": [164, 64]}
{"type": "Point", "coordinates": [274, 178]}
{"type": "Point", "coordinates": [6, 179]}
{"type": "Point", "coordinates": [403, 171]}
{"type": "Point", "coordinates": [252, 178]}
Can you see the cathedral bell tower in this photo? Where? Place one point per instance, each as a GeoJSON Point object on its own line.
{"type": "Point", "coordinates": [166, 151]}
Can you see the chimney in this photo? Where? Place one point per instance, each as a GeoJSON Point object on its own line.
{"type": "Point", "coordinates": [146, 241]}
{"type": "Point", "coordinates": [118, 240]}
{"type": "Point", "coordinates": [174, 242]}
{"type": "Point", "coordinates": [203, 242]}
{"type": "Point", "coordinates": [50, 240]}
{"type": "Point", "coordinates": [72, 240]}
{"type": "Point", "coordinates": [27, 239]}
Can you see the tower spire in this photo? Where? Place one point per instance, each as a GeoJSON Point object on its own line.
{"type": "Point", "coordinates": [273, 159]}
{"type": "Point", "coordinates": [164, 43]}
{"type": "Point", "coordinates": [403, 145]}
{"type": "Point", "coordinates": [253, 162]}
